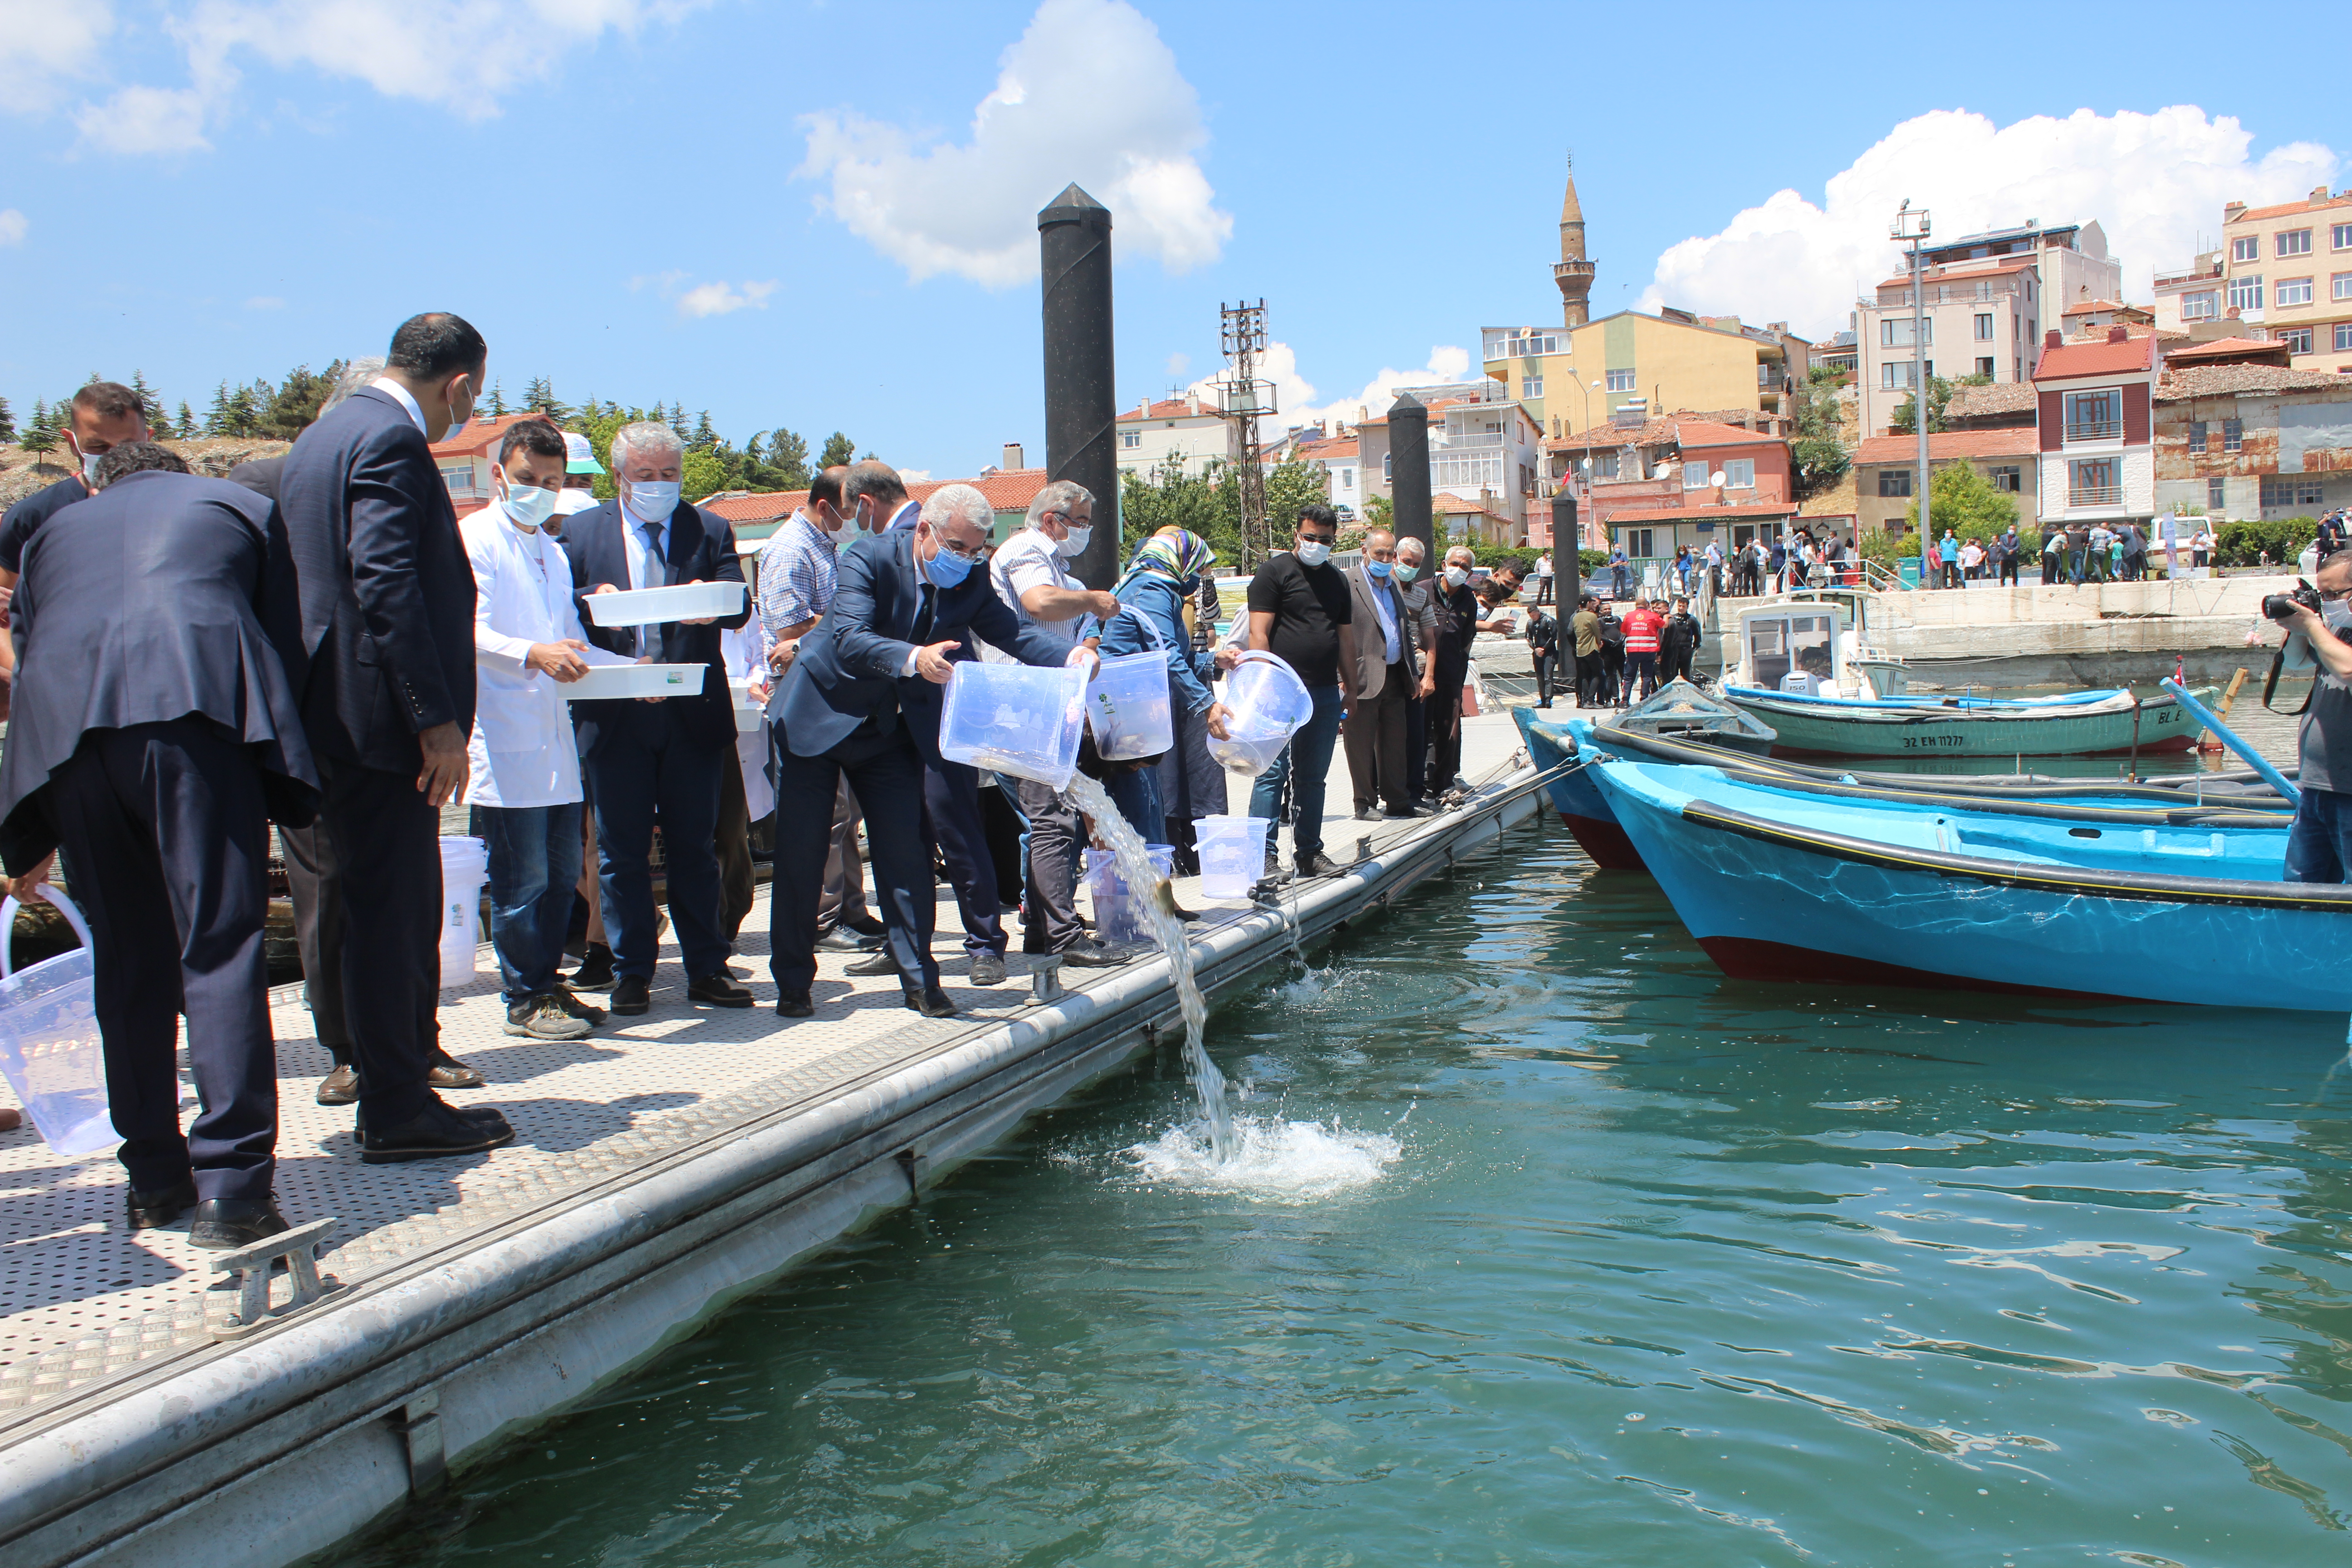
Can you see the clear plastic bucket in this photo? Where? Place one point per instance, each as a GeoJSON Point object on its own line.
{"type": "Point", "coordinates": [49, 1045]}
{"type": "Point", "coordinates": [1118, 917]}
{"type": "Point", "coordinates": [1126, 706]}
{"type": "Point", "coordinates": [1268, 703]}
{"type": "Point", "coordinates": [1232, 854]}
{"type": "Point", "coordinates": [465, 867]}
{"type": "Point", "coordinates": [1015, 719]}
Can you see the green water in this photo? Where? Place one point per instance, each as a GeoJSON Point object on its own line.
{"type": "Point", "coordinates": [1663, 1270]}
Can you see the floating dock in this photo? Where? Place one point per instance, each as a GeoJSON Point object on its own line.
{"type": "Point", "coordinates": [664, 1166]}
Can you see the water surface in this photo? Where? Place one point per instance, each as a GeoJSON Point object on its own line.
{"type": "Point", "coordinates": [1591, 1257]}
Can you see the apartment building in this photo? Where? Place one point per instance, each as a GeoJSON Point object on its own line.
{"type": "Point", "coordinates": [1654, 486]}
{"type": "Point", "coordinates": [1482, 446]}
{"type": "Point", "coordinates": [2289, 267]}
{"type": "Point", "coordinates": [1572, 379]}
{"type": "Point", "coordinates": [1988, 298]}
{"type": "Point", "coordinates": [1176, 435]}
{"type": "Point", "coordinates": [2093, 425]}
{"type": "Point", "coordinates": [1886, 471]}
{"type": "Point", "coordinates": [2252, 441]}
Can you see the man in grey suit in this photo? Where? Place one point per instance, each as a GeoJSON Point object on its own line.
{"type": "Point", "coordinates": [1381, 682]}
{"type": "Point", "coordinates": [387, 603]}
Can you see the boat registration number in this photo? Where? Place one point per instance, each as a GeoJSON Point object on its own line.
{"type": "Point", "coordinates": [1931, 742]}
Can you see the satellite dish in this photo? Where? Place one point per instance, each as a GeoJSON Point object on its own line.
{"type": "Point", "coordinates": [1720, 479]}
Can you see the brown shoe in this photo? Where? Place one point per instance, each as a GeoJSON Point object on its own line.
{"type": "Point", "coordinates": [341, 1087]}
{"type": "Point", "coordinates": [449, 1072]}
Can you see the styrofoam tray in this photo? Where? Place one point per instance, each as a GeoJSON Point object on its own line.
{"type": "Point", "coordinates": [657, 607]}
{"type": "Point", "coordinates": [606, 681]}
{"type": "Point", "coordinates": [750, 714]}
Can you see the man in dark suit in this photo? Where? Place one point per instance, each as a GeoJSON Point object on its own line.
{"type": "Point", "coordinates": [644, 762]}
{"type": "Point", "coordinates": [387, 600]}
{"type": "Point", "coordinates": [1380, 683]}
{"type": "Point", "coordinates": [155, 733]}
{"type": "Point", "coordinates": [863, 698]}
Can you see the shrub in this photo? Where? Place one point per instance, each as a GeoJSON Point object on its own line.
{"type": "Point", "coordinates": [2244, 543]}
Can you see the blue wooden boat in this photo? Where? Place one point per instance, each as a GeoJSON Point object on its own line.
{"type": "Point", "coordinates": [1780, 884]}
{"type": "Point", "coordinates": [1677, 711]}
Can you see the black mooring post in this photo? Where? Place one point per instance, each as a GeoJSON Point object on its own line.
{"type": "Point", "coordinates": [1409, 476]}
{"type": "Point", "coordinates": [1567, 574]}
{"type": "Point", "coordinates": [1081, 399]}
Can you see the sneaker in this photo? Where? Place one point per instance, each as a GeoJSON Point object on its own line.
{"type": "Point", "coordinates": [631, 994]}
{"type": "Point", "coordinates": [596, 971]}
{"type": "Point", "coordinates": [591, 1016]}
{"type": "Point", "coordinates": [1315, 863]}
{"type": "Point", "coordinates": [542, 1017]}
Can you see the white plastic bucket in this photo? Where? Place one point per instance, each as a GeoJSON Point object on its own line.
{"type": "Point", "coordinates": [1015, 719]}
{"type": "Point", "coordinates": [657, 606]}
{"type": "Point", "coordinates": [1268, 703]}
{"type": "Point", "coordinates": [1117, 916]}
{"type": "Point", "coordinates": [1126, 706]}
{"type": "Point", "coordinates": [465, 867]}
{"type": "Point", "coordinates": [1232, 854]}
{"type": "Point", "coordinates": [49, 1044]}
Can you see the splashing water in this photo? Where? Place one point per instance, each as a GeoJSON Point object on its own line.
{"type": "Point", "coordinates": [1158, 908]}
{"type": "Point", "coordinates": [1287, 1162]}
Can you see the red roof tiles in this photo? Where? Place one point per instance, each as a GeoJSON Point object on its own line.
{"type": "Point", "coordinates": [2020, 442]}
{"type": "Point", "coordinates": [481, 437]}
{"type": "Point", "coordinates": [2100, 358]}
{"type": "Point", "coordinates": [2289, 209]}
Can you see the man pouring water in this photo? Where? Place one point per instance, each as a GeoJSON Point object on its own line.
{"type": "Point", "coordinates": [2319, 846]}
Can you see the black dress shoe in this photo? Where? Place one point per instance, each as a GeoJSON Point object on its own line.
{"type": "Point", "coordinates": [631, 993]}
{"type": "Point", "coordinates": [1315, 863]}
{"type": "Point", "coordinates": [438, 1132]}
{"type": "Point", "coordinates": [718, 991]}
{"type": "Point", "coordinates": [932, 1002]}
{"type": "Point", "coordinates": [161, 1206]}
{"type": "Point", "coordinates": [987, 969]}
{"type": "Point", "coordinates": [341, 1087]}
{"type": "Point", "coordinates": [794, 1004]}
{"type": "Point", "coordinates": [866, 925]}
{"type": "Point", "coordinates": [1088, 953]}
{"type": "Point", "coordinates": [596, 971]}
{"type": "Point", "coordinates": [872, 963]}
{"type": "Point", "coordinates": [224, 1225]}
{"type": "Point", "coordinates": [841, 939]}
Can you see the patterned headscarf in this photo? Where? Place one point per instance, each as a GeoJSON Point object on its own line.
{"type": "Point", "coordinates": [1183, 555]}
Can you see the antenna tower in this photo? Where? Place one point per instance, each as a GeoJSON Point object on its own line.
{"type": "Point", "coordinates": [1245, 398]}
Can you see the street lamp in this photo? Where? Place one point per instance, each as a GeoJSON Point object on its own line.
{"type": "Point", "coordinates": [1912, 228]}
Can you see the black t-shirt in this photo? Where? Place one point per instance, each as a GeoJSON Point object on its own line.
{"type": "Point", "coordinates": [1310, 605]}
{"type": "Point", "coordinates": [1457, 624]}
{"type": "Point", "coordinates": [25, 519]}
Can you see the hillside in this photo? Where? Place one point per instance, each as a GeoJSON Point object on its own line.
{"type": "Point", "coordinates": [20, 475]}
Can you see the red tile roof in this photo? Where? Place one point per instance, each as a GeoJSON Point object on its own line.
{"type": "Point", "coordinates": [2219, 351]}
{"type": "Point", "coordinates": [769, 507]}
{"type": "Point", "coordinates": [1965, 272]}
{"type": "Point", "coordinates": [1327, 450]}
{"type": "Point", "coordinates": [2289, 209]}
{"type": "Point", "coordinates": [2246, 380]}
{"type": "Point", "coordinates": [2019, 442]}
{"type": "Point", "coordinates": [481, 437]}
{"type": "Point", "coordinates": [2088, 306]}
{"type": "Point", "coordinates": [1172, 408]}
{"type": "Point", "coordinates": [1706, 433]}
{"type": "Point", "coordinates": [2099, 358]}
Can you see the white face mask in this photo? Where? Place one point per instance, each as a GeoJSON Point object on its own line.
{"type": "Point", "coordinates": [2336, 613]}
{"type": "Point", "coordinates": [653, 501]}
{"type": "Point", "coordinates": [89, 461]}
{"type": "Point", "coordinates": [1312, 554]}
{"type": "Point", "coordinates": [528, 507]}
{"type": "Point", "coordinates": [1456, 577]}
{"type": "Point", "coordinates": [1075, 545]}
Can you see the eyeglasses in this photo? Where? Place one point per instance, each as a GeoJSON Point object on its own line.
{"type": "Point", "coordinates": [1319, 538]}
{"type": "Point", "coordinates": [966, 552]}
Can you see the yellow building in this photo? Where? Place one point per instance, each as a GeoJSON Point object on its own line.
{"type": "Point", "coordinates": [1577, 374]}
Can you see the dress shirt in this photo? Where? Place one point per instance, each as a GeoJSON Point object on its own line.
{"type": "Point", "coordinates": [905, 517]}
{"type": "Point", "coordinates": [796, 574]}
{"type": "Point", "coordinates": [1385, 609]}
{"type": "Point", "coordinates": [648, 569]}
{"type": "Point", "coordinates": [1029, 560]}
{"type": "Point", "coordinates": [384, 383]}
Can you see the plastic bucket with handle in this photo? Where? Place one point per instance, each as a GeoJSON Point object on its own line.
{"type": "Point", "coordinates": [49, 1046]}
{"type": "Point", "coordinates": [1118, 917]}
{"type": "Point", "coordinates": [1267, 703]}
{"type": "Point", "coordinates": [1126, 705]}
{"type": "Point", "coordinates": [465, 867]}
{"type": "Point", "coordinates": [1232, 854]}
{"type": "Point", "coordinates": [1015, 719]}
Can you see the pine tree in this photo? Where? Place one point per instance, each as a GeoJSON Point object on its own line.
{"type": "Point", "coordinates": [7, 421]}
{"type": "Point", "coordinates": [40, 434]}
{"type": "Point", "coordinates": [217, 422]}
{"type": "Point", "coordinates": [187, 423]}
{"type": "Point", "coordinates": [837, 451]}
{"type": "Point", "coordinates": [704, 436]}
{"type": "Point", "coordinates": [151, 407]}
{"type": "Point", "coordinates": [676, 418]}
{"type": "Point", "coordinates": [497, 400]}
{"type": "Point", "coordinates": [244, 412]}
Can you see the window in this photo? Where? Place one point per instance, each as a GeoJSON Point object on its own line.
{"type": "Point", "coordinates": [2343, 336]}
{"type": "Point", "coordinates": [1984, 366]}
{"type": "Point", "coordinates": [2289, 490]}
{"type": "Point", "coordinates": [2293, 291]}
{"type": "Point", "coordinates": [2217, 494]}
{"type": "Point", "coordinates": [1638, 542]}
{"type": "Point", "coordinates": [2094, 415]}
{"type": "Point", "coordinates": [1695, 474]}
{"type": "Point", "coordinates": [2247, 250]}
{"type": "Point", "coordinates": [2010, 478]}
{"type": "Point", "coordinates": [1130, 439]}
{"type": "Point", "coordinates": [459, 477]}
{"type": "Point", "coordinates": [1620, 381]}
{"type": "Point", "coordinates": [1984, 326]}
{"type": "Point", "coordinates": [1895, 483]}
{"type": "Point", "coordinates": [1347, 479]}
{"type": "Point", "coordinates": [2340, 236]}
{"type": "Point", "coordinates": [1386, 458]}
{"type": "Point", "coordinates": [1895, 375]}
{"type": "Point", "coordinates": [2298, 340]}
{"type": "Point", "coordinates": [2196, 436]}
{"type": "Point", "coordinates": [2233, 434]}
{"type": "Point", "coordinates": [1604, 465]}
{"type": "Point", "coordinates": [2091, 481]}
{"type": "Point", "coordinates": [1984, 288]}
{"type": "Point", "coordinates": [2340, 287]}
{"type": "Point", "coordinates": [2204, 306]}
{"type": "Point", "coordinates": [2294, 242]}
{"type": "Point", "coordinates": [1531, 387]}
{"type": "Point", "coordinates": [1894, 331]}
{"type": "Point", "coordinates": [1739, 474]}
{"type": "Point", "coordinates": [2246, 293]}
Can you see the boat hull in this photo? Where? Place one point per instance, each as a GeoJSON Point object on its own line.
{"type": "Point", "coordinates": [1582, 810]}
{"type": "Point", "coordinates": [1874, 913]}
{"type": "Point", "coordinates": [1807, 730]}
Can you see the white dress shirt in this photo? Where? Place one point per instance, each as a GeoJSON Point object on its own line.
{"type": "Point", "coordinates": [400, 393]}
{"type": "Point", "coordinates": [647, 570]}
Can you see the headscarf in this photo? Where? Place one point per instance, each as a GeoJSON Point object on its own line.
{"type": "Point", "coordinates": [1182, 555]}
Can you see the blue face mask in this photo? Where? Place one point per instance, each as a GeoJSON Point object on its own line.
{"type": "Point", "coordinates": [1407, 573]}
{"type": "Point", "coordinates": [1380, 568]}
{"type": "Point", "coordinates": [947, 569]}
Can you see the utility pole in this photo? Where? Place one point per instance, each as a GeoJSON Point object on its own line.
{"type": "Point", "coordinates": [1240, 333]}
{"type": "Point", "coordinates": [1913, 226]}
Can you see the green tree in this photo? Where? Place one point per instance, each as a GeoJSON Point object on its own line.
{"type": "Point", "coordinates": [287, 411]}
{"type": "Point", "coordinates": [217, 421]}
{"type": "Point", "coordinates": [704, 436]}
{"type": "Point", "coordinates": [497, 400]}
{"type": "Point", "coordinates": [1966, 503]}
{"type": "Point", "coordinates": [151, 407]}
{"type": "Point", "coordinates": [786, 462]}
{"type": "Point", "coordinates": [1180, 498]}
{"type": "Point", "coordinates": [1819, 449]}
{"type": "Point", "coordinates": [244, 406]}
{"type": "Point", "coordinates": [187, 423]}
{"type": "Point", "coordinates": [40, 432]}
{"type": "Point", "coordinates": [1940, 396]}
{"type": "Point", "coordinates": [836, 451]}
{"type": "Point", "coordinates": [539, 397]}
{"type": "Point", "coordinates": [7, 421]}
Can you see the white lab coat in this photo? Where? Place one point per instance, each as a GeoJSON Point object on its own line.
{"type": "Point", "coordinates": [521, 752]}
{"type": "Point", "coordinates": [745, 654]}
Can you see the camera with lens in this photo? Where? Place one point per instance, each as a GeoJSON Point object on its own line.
{"type": "Point", "coordinates": [2281, 606]}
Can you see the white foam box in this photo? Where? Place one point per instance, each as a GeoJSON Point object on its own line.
{"type": "Point", "coordinates": [606, 681]}
{"type": "Point", "coordinates": [657, 607]}
{"type": "Point", "coordinates": [748, 714]}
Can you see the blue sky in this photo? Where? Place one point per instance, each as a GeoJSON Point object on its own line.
{"type": "Point", "coordinates": [784, 213]}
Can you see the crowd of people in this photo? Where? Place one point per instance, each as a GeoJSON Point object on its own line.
{"type": "Point", "coordinates": [317, 643]}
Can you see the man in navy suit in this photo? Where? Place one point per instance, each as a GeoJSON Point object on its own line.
{"type": "Point", "coordinates": [863, 698]}
{"type": "Point", "coordinates": [387, 603]}
{"type": "Point", "coordinates": [661, 759]}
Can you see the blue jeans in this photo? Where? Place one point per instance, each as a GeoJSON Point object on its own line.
{"type": "Point", "coordinates": [2319, 845]}
{"type": "Point", "coordinates": [1137, 794]}
{"type": "Point", "coordinates": [1309, 753]}
{"type": "Point", "coordinates": [534, 852]}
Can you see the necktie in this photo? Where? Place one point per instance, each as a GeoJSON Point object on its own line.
{"type": "Point", "coordinates": [649, 638]}
{"type": "Point", "coordinates": [923, 617]}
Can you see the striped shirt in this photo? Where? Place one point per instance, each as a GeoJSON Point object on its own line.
{"type": "Point", "coordinates": [796, 574]}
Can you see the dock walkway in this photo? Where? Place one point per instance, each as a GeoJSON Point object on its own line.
{"type": "Point", "coordinates": [663, 1165]}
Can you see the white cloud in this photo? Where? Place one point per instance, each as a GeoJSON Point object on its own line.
{"type": "Point", "coordinates": [158, 120]}
{"type": "Point", "coordinates": [1087, 93]}
{"type": "Point", "coordinates": [2155, 182]}
{"type": "Point", "coordinates": [13, 225]}
{"type": "Point", "coordinates": [719, 299]}
{"type": "Point", "coordinates": [1179, 363]}
{"type": "Point", "coordinates": [45, 46]}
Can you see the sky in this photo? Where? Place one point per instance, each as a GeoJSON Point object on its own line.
{"type": "Point", "coordinates": [822, 217]}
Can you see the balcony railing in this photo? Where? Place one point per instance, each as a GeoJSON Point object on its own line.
{"type": "Point", "coordinates": [2095, 495]}
{"type": "Point", "coordinates": [2094, 430]}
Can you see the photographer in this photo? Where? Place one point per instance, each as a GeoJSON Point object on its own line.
{"type": "Point", "coordinates": [2319, 846]}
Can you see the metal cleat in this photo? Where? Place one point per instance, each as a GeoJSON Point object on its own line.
{"type": "Point", "coordinates": [300, 1248]}
{"type": "Point", "coordinates": [1045, 979]}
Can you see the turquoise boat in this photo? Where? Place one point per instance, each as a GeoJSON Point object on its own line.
{"type": "Point", "coordinates": [1917, 724]}
{"type": "Point", "coordinates": [1789, 885]}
